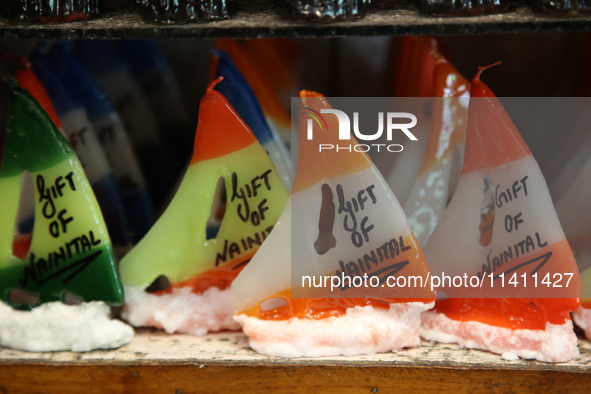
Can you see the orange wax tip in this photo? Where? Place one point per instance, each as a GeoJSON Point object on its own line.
{"type": "Point", "coordinates": [313, 164]}
{"type": "Point", "coordinates": [491, 138]}
{"type": "Point", "coordinates": [220, 131]}
{"type": "Point", "coordinates": [480, 89]}
{"type": "Point", "coordinates": [438, 58]}
{"type": "Point", "coordinates": [28, 81]}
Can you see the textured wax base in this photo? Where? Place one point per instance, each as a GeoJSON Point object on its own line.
{"type": "Point", "coordinates": [55, 326]}
{"type": "Point", "coordinates": [181, 311]}
{"type": "Point", "coordinates": [582, 318]}
{"type": "Point", "coordinates": [556, 344]}
{"type": "Point", "coordinates": [362, 330]}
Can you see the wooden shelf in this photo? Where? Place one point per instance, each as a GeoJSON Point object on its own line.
{"type": "Point", "coordinates": [223, 362]}
{"type": "Point", "coordinates": [256, 18]}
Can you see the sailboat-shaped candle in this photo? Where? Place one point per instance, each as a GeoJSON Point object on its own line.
{"type": "Point", "coordinates": [341, 220]}
{"type": "Point", "coordinates": [199, 268]}
{"type": "Point", "coordinates": [70, 254]}
{"type": "Point", "coordinates": [511, 285]}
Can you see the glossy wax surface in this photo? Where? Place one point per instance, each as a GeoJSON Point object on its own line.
{"type": "Point", "coordinates": [514, 313]}
{"type": "Point", "coordinates": [320, 308]}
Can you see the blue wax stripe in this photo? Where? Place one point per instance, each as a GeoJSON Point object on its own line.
{"type": "Point", "coordinates": [98, 56]}
{"type": "Point", "coordinates": [212, 231]}
{"type": "Point", "coordinates": [142, 56]}
{"type": "Point", "coordinates": [46, 71]}
{"type": "Point", "coordinates": [80, 83]}
{"type": "Point", "coordinates": [241, 97]}
{"type": "Point", "coordinates": [26, 226]}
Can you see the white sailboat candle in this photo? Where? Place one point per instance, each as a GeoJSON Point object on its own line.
{"type": "Point", "coordinates": [508, 302]}
{"type": "Point", "coordinates": [340, 220]}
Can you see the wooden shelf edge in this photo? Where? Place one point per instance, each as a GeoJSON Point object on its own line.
{"type": "Point", "coordinates": [202, 378]}
{"type": "Point", "coordinates": [254, 20]}
{"type": "Point", "coordinates": [223, 362]}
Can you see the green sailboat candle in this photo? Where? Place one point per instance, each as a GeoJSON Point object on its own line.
{"type": "Point", "coordinates": [70, 251]}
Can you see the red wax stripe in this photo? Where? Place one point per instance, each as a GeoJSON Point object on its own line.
{"type": "Point", "coordinates": [491, 138]}
{"type": "Point", "coordinates": [21, 245]}
{"type": "Point", "coordinates": [220, 131]}
{"type": "Point", "coordinates": [518, 312]}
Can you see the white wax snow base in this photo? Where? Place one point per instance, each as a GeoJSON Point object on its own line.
{"type": "Point", "coordinates": [582, 318]}
{"type": "Point", "coordinates": [362, 330]}
{"type": "Point", "coordinates": [55, 326]}
{"type": "Point", "coordinates": [509, 356]}
{"type": "Point", "coordinates": [181, 311]}
{"type": "Point", "coordinates": [556, 344]}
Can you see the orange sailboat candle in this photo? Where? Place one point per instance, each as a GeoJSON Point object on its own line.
{"type": "Point", "coordinates": [508, 304]}
{"type": "Point", "coordinates": [341, 221]}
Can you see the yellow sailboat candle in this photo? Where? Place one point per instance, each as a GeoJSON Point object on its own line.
{"type": "Point", "coordinates": [445, 150]}
{"type": "Point", "coordinates": [70, 252]}
{"type": "Point", "coordinates": [200, 268]}
{"type": "Point", "coordinates": [521, 280]}
{"type": "Point", "coordinates": [340, 220]}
